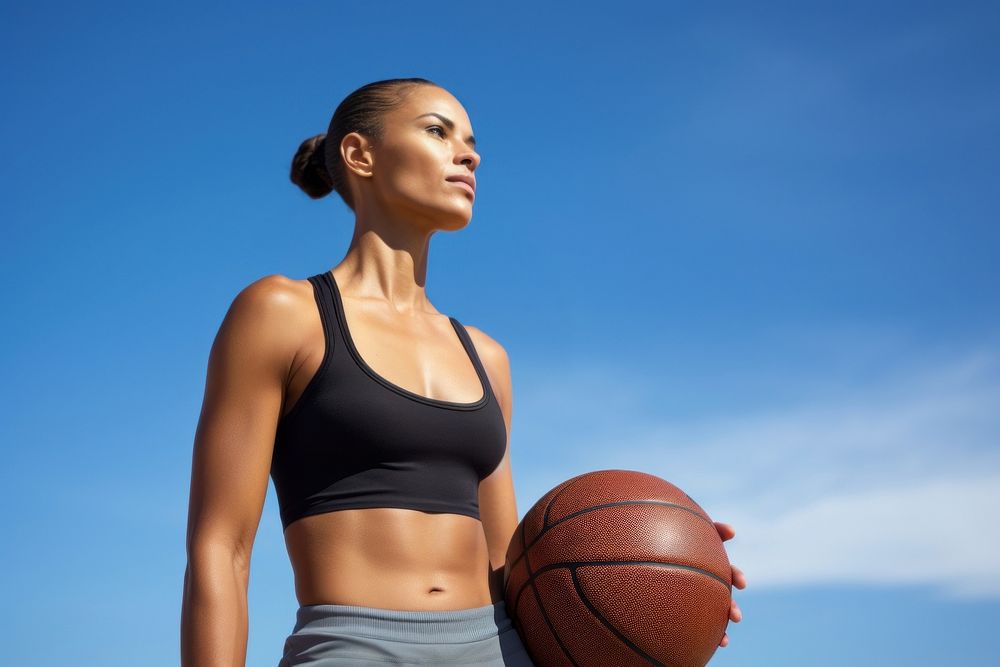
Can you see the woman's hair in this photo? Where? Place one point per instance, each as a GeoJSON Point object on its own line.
{"type": "Point", "coordinates": [317, 167]}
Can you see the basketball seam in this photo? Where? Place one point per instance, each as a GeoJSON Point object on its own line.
{"type": "Point", "coordinates": [593, 610]}
{"type": "Point", "coordinates": [545, 528]}
{"type": "Point", "coordinates": [545, 520]}
{"type": "Point", "coordinates": [527, 566]}
{"type": "Point", "coordinates": [664, 503]}
{"type": "Point", "coordinates": [545, 517]}
{"type": "Point", "coordinates": [651, 563]}
{"type": "Point", "coordinates": [571, 482]}
{"type": "Point", "coordinates": [541, 608]}
{"type": "Point", "coordinates": [584, 563]}
{"type": "Point", "coordinates": [552, 501]}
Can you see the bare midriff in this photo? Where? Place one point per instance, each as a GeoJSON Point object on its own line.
{"type": "Point", "coordinates": [390, 558]}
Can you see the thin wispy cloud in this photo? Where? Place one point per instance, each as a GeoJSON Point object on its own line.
{"type": "Point", "coordinates": [894, 483]}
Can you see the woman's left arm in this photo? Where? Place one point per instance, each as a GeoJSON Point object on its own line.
{"type": "Point", "coordinates": [497, 504]}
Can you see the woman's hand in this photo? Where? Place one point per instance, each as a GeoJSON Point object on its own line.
{"type": "Point", "coordinates": [726, 532]}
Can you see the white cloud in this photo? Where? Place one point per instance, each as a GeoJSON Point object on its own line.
{"type": "Point", "coordinates": [895, 482]}
{"type": "Point", "coordinates": [940, 532]}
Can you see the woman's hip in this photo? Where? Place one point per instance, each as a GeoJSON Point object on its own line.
{"type": "Point", "coordinates": [328, 634]}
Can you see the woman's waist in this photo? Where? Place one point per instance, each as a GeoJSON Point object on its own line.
{"type": "Point", "coordinates": [368, 585]}
{"type": "Point", "coordinates": [390, 556]}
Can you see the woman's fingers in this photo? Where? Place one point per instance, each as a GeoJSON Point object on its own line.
{"type": "Point", "coordinates": [726, 532]}
{"type": "Point", "coordinates": [735, 615]}
{"type": "Point", "coordinates": [739, 579]}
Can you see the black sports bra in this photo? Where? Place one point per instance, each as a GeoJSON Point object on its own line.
{"type": "Point", "coordinates": [353, 439]}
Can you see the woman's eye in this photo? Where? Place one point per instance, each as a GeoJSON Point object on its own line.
{"type": "Point", "coordinates": [437, 127]}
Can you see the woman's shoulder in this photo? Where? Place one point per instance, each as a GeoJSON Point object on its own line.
{"type": "Point", "coordinates": [485, 344]}
{"type": "Point", "coordinates": [273, 296]}
{"type": "Point", "coordinates": [272, 311]}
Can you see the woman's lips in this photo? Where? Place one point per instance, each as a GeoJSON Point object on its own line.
{"type": "Point", "coordinates": [466, 186]}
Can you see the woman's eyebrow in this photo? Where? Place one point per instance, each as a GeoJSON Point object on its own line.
{"type": "Point", "coordinates": [471, 140]}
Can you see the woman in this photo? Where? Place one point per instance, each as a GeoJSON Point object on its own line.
{"type": "Point", "coordinates": [383, 423]}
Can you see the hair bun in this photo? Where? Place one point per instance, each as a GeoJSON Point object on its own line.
{"type": "Point", "coordinates": [309, 167]}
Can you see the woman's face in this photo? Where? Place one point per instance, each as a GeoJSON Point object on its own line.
{"type": "Point", "coordinates": [427, 142]}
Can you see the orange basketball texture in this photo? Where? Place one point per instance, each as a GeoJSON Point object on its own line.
{"type": "Point", "coordinates": [618, 568]}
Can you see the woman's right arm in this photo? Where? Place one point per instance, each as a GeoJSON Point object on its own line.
{"type": "Point", "coordinates": [247, 368]}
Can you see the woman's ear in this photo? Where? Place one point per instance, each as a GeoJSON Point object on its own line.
{"type": "Point", "coordinates": [358, 154]}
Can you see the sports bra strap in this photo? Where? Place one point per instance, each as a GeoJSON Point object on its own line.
{"type": "Point", "coordinates": [470, 349]}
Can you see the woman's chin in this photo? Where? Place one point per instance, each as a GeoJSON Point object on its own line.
{"type": "Point", "coordinates": [455, 217]}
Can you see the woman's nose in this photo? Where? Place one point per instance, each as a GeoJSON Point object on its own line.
{"type": "Point", "coordinates": [470, 159]}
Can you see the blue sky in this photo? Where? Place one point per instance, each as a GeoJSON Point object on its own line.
{"type": "Point", "coordinates": [749, 248]}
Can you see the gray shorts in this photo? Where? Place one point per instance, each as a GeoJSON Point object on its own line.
{"type": "Point", "coordinates": [332, 634]}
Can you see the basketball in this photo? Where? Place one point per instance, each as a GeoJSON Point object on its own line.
{"type": "Point", "coordinates": [618, 567]}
